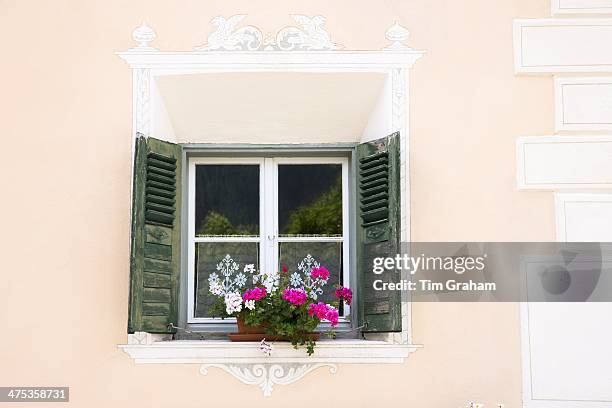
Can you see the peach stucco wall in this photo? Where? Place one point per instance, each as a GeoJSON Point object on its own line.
{"type": "Point", "coordinates": [65, 126]}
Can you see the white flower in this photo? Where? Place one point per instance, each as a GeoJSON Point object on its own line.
{"type": "Point", "coordinates": [240, 279]}
{"type": "Point", "coordinates": [296, 279]}
{"type": "Point", "coordinates": [233, 302]}
{"type": "Point", "coordinates": [249, 304]}
{"type": "Point", "coordinates": [250, 268]}
{"type": "Point", "coordinates": [270, 281]}
{"type": "Point", "coordinates": [216, 288]}
{"type": "Point", "coordinates": [265, 347]}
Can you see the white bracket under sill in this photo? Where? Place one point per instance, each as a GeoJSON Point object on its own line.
{"type": "Point", "coordinates": [248, 364]}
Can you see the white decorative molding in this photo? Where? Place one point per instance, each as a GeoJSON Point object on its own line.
{"type": "Point", "coordinates": [583, 217]}
{"type": "Point", "coordinates": [564, 162]}
{"type": "Point", "coordinates": [232, 50]}
{"type": "Point", "coordinates": [583, 103]}
{"type": "Point", "coordinates": [228, 37]}
{"type": "Point", "coordinates": [144, 338]}
{"type": "Point", "coordinates": [143, 35]}
{"type": "Point", "coordinates": [142, 100]}
{"type": "Point", "coordinates": [250, 365]}
{"type": "Point", "coordinates": [569, 7]}
{"type": "Point", "coordinates": [397, 34]}
{"type": "Point", "coordinates": [562, 45]}
{"type": "Point", "coordinates": [265, 376]}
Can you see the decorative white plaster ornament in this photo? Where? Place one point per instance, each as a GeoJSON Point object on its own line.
{"type": "Point", "coordinates": [267, 375]}
{"type": "Point", "coordinates": [310, 37]}
{"type": "Point", "coordinates": [397, 35]}
{"type": "Point", "coordinates": [142, 88]}
{"type": "Point", "coordinates": [143, 35]}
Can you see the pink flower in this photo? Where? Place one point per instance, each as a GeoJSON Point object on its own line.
{"type": "Point", "coordinates": [345, 293]}
{"type": "Point", "coordinates": [332, 316]}
{"type": "Point", "coordinates": [324, 312]}
{"type": "Point", "coordinates": [254, 294]}
{"type": "Point", "coordinates": [319, 272]}
{"type": "Point", "coordinates": [284, 268]}
{"type": "Point", "coordinates": [295, 296]}
{"type": "Point", "coordinates": [319, 309]}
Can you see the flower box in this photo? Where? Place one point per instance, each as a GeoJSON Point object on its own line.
{"type": "Point", "coordinates": [278, 306]}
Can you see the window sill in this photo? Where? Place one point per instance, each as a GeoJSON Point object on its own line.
{"type": "Point", "coordinates": [247, 363]}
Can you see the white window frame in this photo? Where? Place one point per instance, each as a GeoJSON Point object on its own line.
{"type": "Point", "coordinates": [268, 221]}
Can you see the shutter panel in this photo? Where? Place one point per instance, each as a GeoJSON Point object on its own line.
{"type": "Point", "coordinates": [378, 231]}
{"type": "Point", "coordinates": [155, 250]}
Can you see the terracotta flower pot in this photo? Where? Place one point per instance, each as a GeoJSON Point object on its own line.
{"type": "Point", "coordinates": [258, 333]}
{"type": "Point", "coordinates": [244, 328]}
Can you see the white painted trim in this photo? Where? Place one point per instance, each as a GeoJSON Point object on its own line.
{"type": "Point", "coordinates": [587, 7]}
{"type": "Point", "coordinates": [220, 351]}
{"type": "Point", "coordinates": [550, 163]}
{"type": "Point", "coordinates": [576, 65]}
{"type": "Point", "coordinates": [188, 62]}
{"type": "Point", "coordinates": [561, 201]}
{"type": "Point", "coordinates": [191, 282]}
{"type": "Point", "coordinates": [284, 365]}
{"type": "Point", "coordinates": [562, 84]}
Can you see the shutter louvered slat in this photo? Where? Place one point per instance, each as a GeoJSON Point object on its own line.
{"type": "Point", "coordinates": [161, 193]}
{"type": "Point", "coordinates": [374, 197]}
{"type": "Point", "coordinates": [162, 186]}
{"type": "Point", "coordinates": [160, 189]}
{"type": "Point", "coordinates": [374, 205]}
{"type": "Point", "coordinates": [159, 207]}
{"type": "Point", "coordinates": [160, 179]}
{"type": "Point", "coordinates": [373, 157]}
{"type": "Point", "coordinates": [155, 198]}
{"type": "Point", "coordinates": [160, 164]}
{"type": "Point", "coordinates": [374, 180]}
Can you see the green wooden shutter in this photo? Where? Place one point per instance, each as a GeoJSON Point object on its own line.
{"type": "Point", "coordinates": [155, 250]}
{"type": "Point", "coordinates": [378, 231]}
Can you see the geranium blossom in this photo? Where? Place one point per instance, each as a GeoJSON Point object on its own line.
{"type": "Point", "coordinates": [233, 302]}
{"type": "Point", "coordinates": [295, 296]}
{"type": "Point", "coordinates": [332, 315]}
{"type": "Point", "coordinates": [216, 288]}
{"type": "Point", "coordinates": [270, 281]}
{"type": "Point", "coordinates": [320, 272]}
{"type": "Point", "coordinates": [284, 269]}
{"type": "Point", "coordinates": [345, 293]}
{"type": "Point", "coordinates": [324, 312]}
{"type": "Point", "coordinates": [249, 304]}
{"type": "Point", "coordinates": [254, 294]}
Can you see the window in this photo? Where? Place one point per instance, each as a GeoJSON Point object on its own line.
{"type": "Point", "coordinates": [264, 210]}
{"type": "Point", "coordinates": [268, 212]}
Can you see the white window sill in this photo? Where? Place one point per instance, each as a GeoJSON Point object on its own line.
{"type": "Point", "coordinates": [246, 362]}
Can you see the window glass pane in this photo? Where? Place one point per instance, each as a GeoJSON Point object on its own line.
{"type": "Point", "coordinates": [225, 261]}
{"type": "Point", "coordinates": [227, 200]}
{"type": "Point", "coordinates": [310, 200]}
{"type": "Point", "coordinates": [301, 257]}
